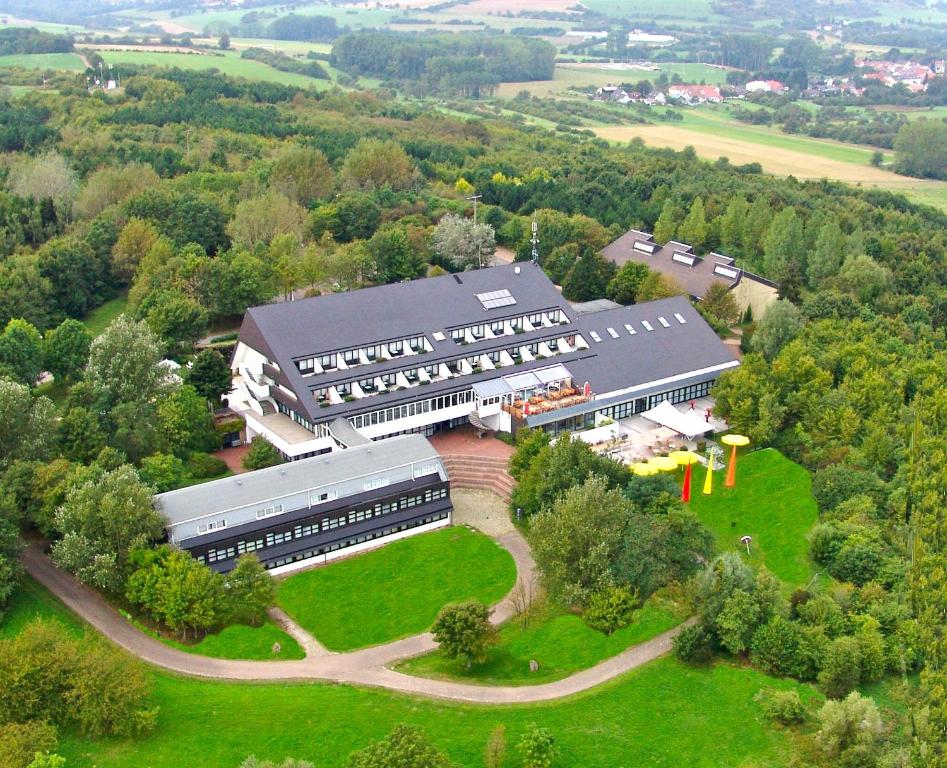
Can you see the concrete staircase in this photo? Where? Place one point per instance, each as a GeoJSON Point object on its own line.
{"type": "Point", "coordinates": [485, 473]}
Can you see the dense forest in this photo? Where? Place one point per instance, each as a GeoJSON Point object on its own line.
{"type": "Point", "coordinates": [197, 196]}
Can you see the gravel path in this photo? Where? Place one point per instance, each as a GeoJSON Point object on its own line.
{"type": "Point", "coordinates": [368, 666]}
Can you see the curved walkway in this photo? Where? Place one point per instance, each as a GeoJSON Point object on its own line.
{"type": "Point", "coordinates": [368, 666]}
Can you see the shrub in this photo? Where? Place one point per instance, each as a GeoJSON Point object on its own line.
{"type": "Point", "coordinates": [20, 742]}
{"type": "Point", "coordinates": [204, 465]}
{"type": "Point", "coordinates": [693, 644]}
{"type": "Point", "coordinates": [262, 454]}
{"type": "Point", "coordinates": [841, 667]}
{"type": "Point", "coordinates": [611, 608]}
{"type": "Point", "coordinates": [537, 747]}
{"type": "Point", "coordinates": [781, 647]}
{"type": "Point", "coordinates": [782, 706]}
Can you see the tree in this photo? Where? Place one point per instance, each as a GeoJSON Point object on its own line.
{"type": "Point", "coordinates": [302, 174]}
{"type": "Point", "coordinates": [666, 225]}
{"type": "Point", "coordinates": [373, 164]}
{"type": "Point", "coordinates": [576, 541]}
{"type": "Point", "coordinates": [657, 286]}
{"type": "Point", "coordinates": [136, 239]}
{"type": "Point", "coordinates": [113, 184]}
{"type": "Point", "coordinates": [186, 421]}
{"type": "Point", "coordinates": [841, 667]}
{"type": "Point", "coordinates": [66, 349]}
{"type": "Point", "coordinates": [45, 177]}
{"type": "Point", "coordinates": [464, 631]}
{"type": "Point", "coordinates": [260, 219]}
{"type": "Point", "coordinates": [920, 149]}
{"type": "Point", "coordinates": [784, 252]}
{"type": "Point", "coordinates": [405, 747]}
{"type": "Point", "coordinates": [393, 256]}
{"type": "Point", "coordinates": [223, 42]}
{"type": "Point", "coordinates": [10, 547]}
{"type": "Point", "coordinates": [123, 363]}
{"type": "Point", "coordinates": [101, 522]}
{"type": "Point", "coordinates": [250, 590]}
{"type": "Point", "coordinates": [611, 608]}
{"type": "Point", "coordinates": [694, 230]}
{"type": "Point", "coordinates": [720, 305]}
{"type": "Point", "coordinates": [737, 621]}
{"type": "Point", "coordinates": [462, 244]}
{"type": "Point", "coordinates": [262, 454]}
{"type": "Point", "coordinates": [846, 724]}
{"type": "Point", "coordinates": [537, 747]}
{"type": "Point", "coordinates": [495, 753]}
{"type": "Point", "coordinates": [589, 276]}
{"type": "Point", "coordinates": [863, 277]}
{"type": "Point", "coordinates": [779, 325]}
{"type": "Point", "coordinates": [162, 471]}
{"type": "Point", "coordinates": [176, 318]}
{"type": "Point", "coordinates": [623, 287]}
{"type": "Point", "coordinates": [826, 258]}
{"type": "Point", "coordinates": [732, 225]}
{"type": "Point", "coordinates": [210, 375]}
{"type": "Point", "coordinates": [176, 590]}
{"type": "Point", "coordinates": [756, 225]}
{"type": "Point", "coordinates": [20, 743]}
{"type": "Point", "coordinates": [27, 424]}
{"type": "Point", "coordinates": [80, 435]}
{"type": "Point", "coordinates": [21, 351]}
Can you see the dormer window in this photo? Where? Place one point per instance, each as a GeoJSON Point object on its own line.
{"type": "Point", "coordinates": [350, 356]}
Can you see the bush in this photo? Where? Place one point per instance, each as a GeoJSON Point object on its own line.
{"type": "Point", "coordinates": [20, 742]}
{"type": "Point", "coordinates": [204, 465]}
{"type": "Point", "coordinates": [782, 706]}
{"type": "Point", "coordinates": [611, 608]}
{"type": "Point", "coordinates": [537, 747]}
{"type": "Point", "coordinates": [262, 454]}
{"type": "Point", "coordinates": [781, 647]}
{"type": "Point", "coordinates": [693, 644]}
{"type": "Point", "coordinates": [841, 667]}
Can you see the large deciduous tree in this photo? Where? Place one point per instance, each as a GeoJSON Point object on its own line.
{"type": "Point", "coordinates": [101, 522]}
{"type": "Point", "coordinates": [302, 174]}
{"type": "Point", "coordinates": [464, 631]}
{"type": "Point", "coordinates": [21, 352]}
{"type": "Point", "coordinates": [123, 363]}
{"type": "Point", "coordinates": [66, 349]}
{"type": "Point", "coordinates": [778, 326]}
{"type": "Point", "coordinates": [461, 244]}
{"type": "Point", "coordinates": [373, 164]}
{"type": "Point", "coordinates": [260, 219]}
{"type": "Point", "coordinates": [27, 424]}
{"type": "Point", "coordinates": [210, 375]}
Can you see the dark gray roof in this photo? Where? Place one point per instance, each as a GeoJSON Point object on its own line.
{"type": "Point", "coordinates": [296, 476]}
{"type": "Point", "coordinates": [695, 278]}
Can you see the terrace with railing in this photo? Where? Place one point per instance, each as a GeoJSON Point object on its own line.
{"type": "Point", "coordinates": [551, 401]}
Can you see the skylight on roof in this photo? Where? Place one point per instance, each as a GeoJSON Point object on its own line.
{"type": "Point", "coordinates": [683, 258]}
{"type": "Point", "coordinates": [726, 271]}
{"type": "Point", "coordinates": [612, 332]}
{"type": "Point", "coordinates": [645, 247]}
{"type": "Point", "coordinates": [647, 325]}
{"type": "Point", "coordinates": [680, 318]}
{"type": "Point", "coordinates": [630, 330]}
{"type": "Point", "coordinates": [664, 322]}
{"type": "Point", "coordinates": [494, 299]}
{"type": "Point", "coordinates": [595, 337]}
{"type": "Point", "coordinates": [438, 336]}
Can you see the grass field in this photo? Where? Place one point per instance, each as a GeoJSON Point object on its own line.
{"type": "Point", "coordinates": [663, 715]}
{"type": "Point", "coordinates": [397, 590]}
{"type": "Point", "coordinates": [772, 502]}
{"type": "Point", "coordinates": [65, 61]}
{"type": "Point", "coordinates": [713, 134]}
{"type": "Point", "coordinates": [229, 64]}
{"type": "Point", "coordinates": [561, 642]}
{"type": "Point", "coordinates": [100, 317]}
{"type": "Point", "coordinates": [242, 642]}
{"type": "Point", "coordinates": [33, 601]}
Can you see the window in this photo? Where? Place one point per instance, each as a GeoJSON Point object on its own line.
{"type": "Point", "coordinates": [214, 525]}
{"type": "Point", "coordinates": [612, 332]}
{"type": "Point", "coordinates": [630, 330]}
{"type": "Point", "coordinates": [680, 318]}
{"type": "Point", "coordinates": [376, 482]}
{"type": "Point", "coordinates": [595, 337]}
{"type": "Point", "coordinates": [647, 325]}
{"type": "Point", "coordinates": [318, 497]}
{"type": "Point", "coordinates": [275, 509]}
{"type": "Point", "coordinates": [350, 356]}
{"type": "Point", "coordinates": [306, 366]}
{"type": "Point", "coordinates": [327, 361]}
{"type": "Point", "coordinates": [664, 322]}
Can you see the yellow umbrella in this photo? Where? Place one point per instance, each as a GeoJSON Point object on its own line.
{"type": "Point", "coordinates": [663, 463]}
{"type": "Point", "coordinates": [642, 469]}
{"type": "Point", "coordinates": [734, 441]}
{"type": "Point", "coordinates": [683, 458]}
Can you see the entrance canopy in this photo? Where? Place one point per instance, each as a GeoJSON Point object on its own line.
{"type": "Point", "coordinates": [690, 424]}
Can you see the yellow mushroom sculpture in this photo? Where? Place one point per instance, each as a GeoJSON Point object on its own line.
{"type": "Point", "coordinates": [734, 441]}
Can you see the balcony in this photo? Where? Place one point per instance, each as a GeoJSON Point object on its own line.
{"type": "Point", "coordinates": [551, 401]}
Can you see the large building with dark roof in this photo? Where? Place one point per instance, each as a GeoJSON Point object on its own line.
{"type": "Point", "coordinates": [695, 274]}
{"type": "Point", "coordinates": [498, 347]}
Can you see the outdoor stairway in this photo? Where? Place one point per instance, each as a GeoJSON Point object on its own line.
{"type": "Point", "coordinates": [486, 473]}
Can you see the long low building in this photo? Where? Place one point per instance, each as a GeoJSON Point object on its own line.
{"type": "Point", "coordinates": [311, 511]}
{"type": "Point", "coordinates": [497, 347]}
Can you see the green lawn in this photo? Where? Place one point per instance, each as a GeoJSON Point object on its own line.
{"type": "Point", "coordinates": [397, 590]}
{"type": "Point", "coordinates": [242, 642]}
{"type": "Point", "coordinates": [664, 715]}
{"type": "Point", "coordinates": [100, 317]}
{"type": "Point", "coordinates": [55, 390]}
{"type": "Point", "coordinates": [772, 502]}
{"type": "Point", "coordinates": [561, 642]}
{"type": "Point", "coordinates": [34, 601]}
{"type": "Point", "coordinates": [67, 61]}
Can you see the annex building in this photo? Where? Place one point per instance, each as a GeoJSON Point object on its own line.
{"type": "Point", "coordinates": [499, 348]}
{"type": "Point", "coordinates": [311, 511]}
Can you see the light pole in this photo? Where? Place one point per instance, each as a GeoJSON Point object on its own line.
{"type": "Point", "coordinates": [475, 198]}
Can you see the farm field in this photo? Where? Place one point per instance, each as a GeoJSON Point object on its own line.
{"type": "Point", "coordinates": [580, 75]}
{"type": "Point", "coordinates": [772, 502]}
{"type": "Point", "coordinates": [64, 61]}
{"type": "Point", "coordinates": [779, 153]}
{"type": "Point", "coordinates": [397, 590]}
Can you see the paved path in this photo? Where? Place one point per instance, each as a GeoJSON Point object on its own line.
{"type": "Point", "coordinates": [368, 666]}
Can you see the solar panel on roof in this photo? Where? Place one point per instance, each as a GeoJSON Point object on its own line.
{"type": "Point", "coordinates": [494, 299]}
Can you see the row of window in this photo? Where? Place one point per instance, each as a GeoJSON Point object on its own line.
{"type": "Point", "coordinates": [498, 327]}
{"type": "Point", "coordinates": [326, 524]}
{"type": "Point", "coordinates": [412, 409]}
{"type": "Point", "coordinates": [683, 394]}
{"type": "Point", "coordinates": [357, 540]}
{"type": "Point", "coordinates": [353, 357]}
